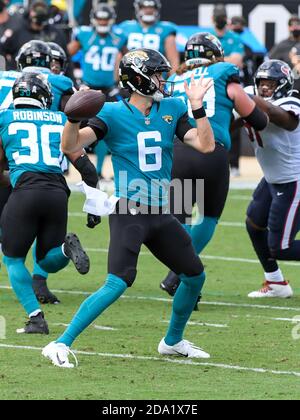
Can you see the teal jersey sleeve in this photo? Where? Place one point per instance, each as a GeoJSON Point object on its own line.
{"type": "Point", "coordinates": [31, 140]}
{"type": "Point", "coordinates": [7, 80]}
{"type": "Point", "coordinates": [142, 148]}
{"type": "Point", "coordinates": [152, 37]}
{"type": "Point", "coordinates": [61, 86]}
{"type": "Point", "coordinates": [99, 56]}
{"type": "Point", "coordinates": [217, 104]}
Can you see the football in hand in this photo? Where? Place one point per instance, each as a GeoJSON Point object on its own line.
{"type": "Point", "coordinates": [84, 104]}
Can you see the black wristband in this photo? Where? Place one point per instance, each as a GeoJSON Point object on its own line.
{"type": "Point", "coordinates": [199, 113]}
{"type": "Point", "coordinates": [73, 121]}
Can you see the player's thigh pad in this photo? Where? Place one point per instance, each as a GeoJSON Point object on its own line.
{"type": "Point", "coordinates": [259, 208]}
{"type": "Point", "coordinates": [284, 218]}
{"type": "Point", "coordinates": [19, 224]}
{"type": "Point", "coordinates": [127, 235]}
{"type": "Point", "coordinates": [172, 245]}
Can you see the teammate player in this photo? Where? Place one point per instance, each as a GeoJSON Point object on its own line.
{"type": "Point", "coordinates": [38, 206]}
{"type": "Point", "coordinates": [148, 31]}
{"type": "Point", "coordinates": [103, 47]}
{"type": "Point", "coordinates": [37, 57]}
{"type": "Point", "coordinates": [204, 56]}
{"type": "Point", "coordinates": [274, 214]}
{"type": "Point", "coordinates": [140, 134]}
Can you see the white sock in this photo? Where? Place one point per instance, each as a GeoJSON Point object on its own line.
{"type": "Point", "coordinates": [35, 313]}
{"type": "Point", "coordinates": [275, 277]}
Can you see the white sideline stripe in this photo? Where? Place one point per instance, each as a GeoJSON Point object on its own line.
{"type": "Point", "coordinates": [240, 197]}
{"type": "Point", "coordinates": [207, 257]}
{"type": "Point", "coordinates": [96, 327]}
{"type": "Point", "coordinates": [201, 324]}
{"type": "Point", "coordinates": [164, 360]}
{"type": "Point", "coordinates": [158, 299]}
{"type": "Point", "coordinates": [225, 224]}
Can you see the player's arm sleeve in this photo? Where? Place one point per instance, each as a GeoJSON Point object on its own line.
{"type": "Point", "coordinates": [183, 126]}
{"type": "Point", "coordinates": [85, 167]}
{"type": "Point", "coordinates": [99, 127]}
{"type": "Point", "coordinates": [285, 116]}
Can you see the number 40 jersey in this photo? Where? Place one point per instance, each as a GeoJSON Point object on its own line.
{"type": "Point", "coordinates": [218, 105]}
{"type": "Point", "coordinates": [31, 140]}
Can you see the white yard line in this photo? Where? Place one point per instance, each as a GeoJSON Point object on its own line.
{"type": "Point", "coordinates": [169, 300]}
{"type": "Point", "coordinates": [165, 360]}
{"type": "Point", "coordinates": [201, 324]}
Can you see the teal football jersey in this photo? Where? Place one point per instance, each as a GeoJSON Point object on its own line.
{"type": "Point", "coordinates": [153, 37]}
{"type": "Point", "coordinates": [60, 84]}
{"type": "Point", "coordinates": [99, 55]}
{"type": "Point", "coordinates": [142, 148]}
{"type": "Point", "coordinates": [31, 140]}
{"type": "Point", "coordinates": [218, 105]}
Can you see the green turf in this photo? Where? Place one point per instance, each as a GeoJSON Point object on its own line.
{"type": "Point", "coordinates": [251, 337]}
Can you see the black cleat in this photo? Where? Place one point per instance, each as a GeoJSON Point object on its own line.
{"type": "Point", "coordinates": [196, 308]}
{"type": "Point", "coordinates": [170, 284]}
{"type": "Point", "coordinates": [35, 325]}
{"type": "Point", "coordinates": [42, 292]}
{"type": "Point", "coordinates": [74, 251]}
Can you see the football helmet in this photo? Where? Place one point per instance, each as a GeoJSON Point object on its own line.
{"type": "Point", "coordinates": [278, 71]}
{"type": "Point", "coordinates": [32, 90]}
{"type": "Point", "coordinates": [142, 16]}
{"type": "Point", "coordinates": [138, 70]}
{"type": "Point", "coordinates": [34, 54]}
{"type": "Point", "coordinates": [203, 48]}
{"type": "Point", "coordinates": [103, 12]}
{"type": "Point", "coordinates": [59, 62]}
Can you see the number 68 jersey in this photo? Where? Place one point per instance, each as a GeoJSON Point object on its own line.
{"type": "Point", "coordinates": [278, 150]}
{"type": "Point", "coordinates": [31, 140]}
{"type": "Point", "coordinates": [217, 104]}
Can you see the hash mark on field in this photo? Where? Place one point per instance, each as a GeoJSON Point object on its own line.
{"type": "Point", "coordinates": [96, 327]}
{"type": "Point", "coordinates": [202, 324]}
{"type": "Point", "coordinates": [168, 300]}
{"type": "Point", "coordinates": [164, 360]}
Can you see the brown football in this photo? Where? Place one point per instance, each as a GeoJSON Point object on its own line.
{"type": "Point", "coordinates": [84, 104]}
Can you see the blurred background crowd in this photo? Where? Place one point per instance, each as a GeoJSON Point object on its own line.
{"type": "Point", "coordinates": [249, 32]}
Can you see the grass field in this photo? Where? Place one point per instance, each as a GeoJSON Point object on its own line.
{"type": "Point", "coordinates": [253, 353]}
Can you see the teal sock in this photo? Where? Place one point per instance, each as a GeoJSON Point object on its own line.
{"type": "Point", "coordinates": [21, 282]}
{"type": "Point", "coordinates": [37, 271]}
{"type": "Point", "coordinates": [202, 233]}
{"type": "Point", "coordinates": [184, 302]}
{"type": "Point", "coordinates": [92, 307]}
{"type": "Point", "coordinates": [54, 261]}
{"type": "Point", "coordinates": [101, 151]}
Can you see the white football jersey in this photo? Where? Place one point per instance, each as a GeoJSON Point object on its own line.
{"type": "Point", "coordinates": [278, 150]}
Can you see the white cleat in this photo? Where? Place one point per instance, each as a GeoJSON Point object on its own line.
{"type": "Point", "coordinates": [58, 353]}
{"type": "Point", "coordinates": [183, 348]}
{"type": "Point", "coordinates": [273, 290]}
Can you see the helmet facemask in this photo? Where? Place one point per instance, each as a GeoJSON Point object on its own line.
{"type": "Point", "coordinates": [143, 16]}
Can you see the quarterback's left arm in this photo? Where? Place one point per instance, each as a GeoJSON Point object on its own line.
{"type": "Point", "coordinates": [279, 116]}
{"type": "Point", "coordinates": [4, 178]}
{"type": "Point", "coordinates": [202, 138]}
{"type": "Point", "coordinates": [171, 52]}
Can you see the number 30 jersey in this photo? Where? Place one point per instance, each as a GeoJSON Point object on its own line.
{"type": "Point", "coordinates": [218, 105]}
{"type": "Point", "coordinates": [31, 140]}
{"type": "Point", "coordinates": [278, 150]}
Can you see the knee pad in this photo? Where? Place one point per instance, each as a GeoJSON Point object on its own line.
{"type": "Point", "coordinates": [195, 269]}
{"type": "Point", "coordinates": [128, 275]}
